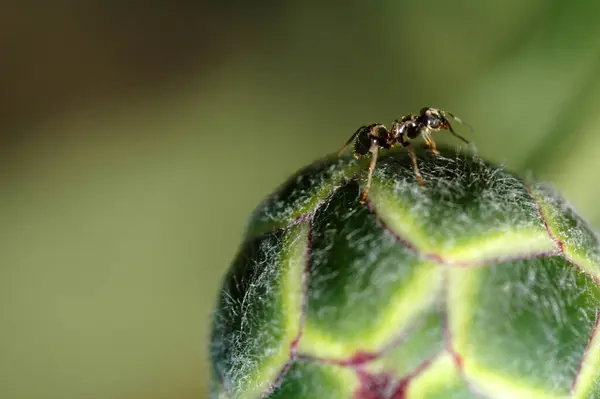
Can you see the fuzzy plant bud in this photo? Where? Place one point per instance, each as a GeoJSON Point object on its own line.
{"type": "Point", "coordinates": [477, 285]}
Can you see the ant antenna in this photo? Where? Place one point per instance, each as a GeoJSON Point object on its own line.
{"type": "Point", "coordinates": [462, 123]}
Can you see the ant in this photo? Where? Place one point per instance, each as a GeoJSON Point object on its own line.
{"type": "Point", "coordinates": [371, 138]}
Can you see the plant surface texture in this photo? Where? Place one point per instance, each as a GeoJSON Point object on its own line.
{"type": "Point", "coordinates": [479, 285]}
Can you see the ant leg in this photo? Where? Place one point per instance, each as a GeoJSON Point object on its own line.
{"type": "Point", "coordinates": [413, 156]}
{"type": "Point", "coordinates": [430, 143]}
{"type": "Point", "coordinates": [374, 150]}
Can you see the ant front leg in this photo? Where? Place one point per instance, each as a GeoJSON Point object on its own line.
{"type": "Point", "coordinates": [430, 143]}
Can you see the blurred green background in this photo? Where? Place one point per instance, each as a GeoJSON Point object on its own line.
{"type": "Point", "coordinates": [135, 140]}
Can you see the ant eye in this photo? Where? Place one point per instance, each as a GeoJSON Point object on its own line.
{"type": "Point", "coordinates": [434, 123]}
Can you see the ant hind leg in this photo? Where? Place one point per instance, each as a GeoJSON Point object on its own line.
{"type": "Point", "coordinates": [374, 151]}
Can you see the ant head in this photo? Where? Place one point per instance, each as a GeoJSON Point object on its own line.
{"type": "Point", "coordinates": [436, 119]}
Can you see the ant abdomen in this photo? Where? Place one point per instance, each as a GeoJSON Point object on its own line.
{"type": "Point", "coordinates": [363, 142]}
{"type": "Point", "coordinates": [368, 136]}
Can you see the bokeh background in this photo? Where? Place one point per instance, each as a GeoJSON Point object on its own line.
{"type": "Point", "coordinates": [136, 138]}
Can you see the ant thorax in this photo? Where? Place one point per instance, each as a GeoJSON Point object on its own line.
{"type": "Point", "coordinates": [413, 129]}
{"type": "Point", "coordinates": [408, 127]}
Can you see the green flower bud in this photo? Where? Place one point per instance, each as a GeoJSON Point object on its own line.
{"type": "Point", "coordinates": [477, 285]}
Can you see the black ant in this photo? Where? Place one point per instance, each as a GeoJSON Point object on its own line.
{"type": "Point", "coordinates": [369, 139]}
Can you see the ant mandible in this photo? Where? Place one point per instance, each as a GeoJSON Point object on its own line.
{"type": "Point", "coordinates": [371, 138]}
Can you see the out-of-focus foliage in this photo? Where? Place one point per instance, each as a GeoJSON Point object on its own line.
{"type": "Point", "coordinates": [136, 141]}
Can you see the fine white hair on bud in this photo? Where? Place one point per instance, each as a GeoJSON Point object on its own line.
{"type": "Point", "coordinates": [476, 284]}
